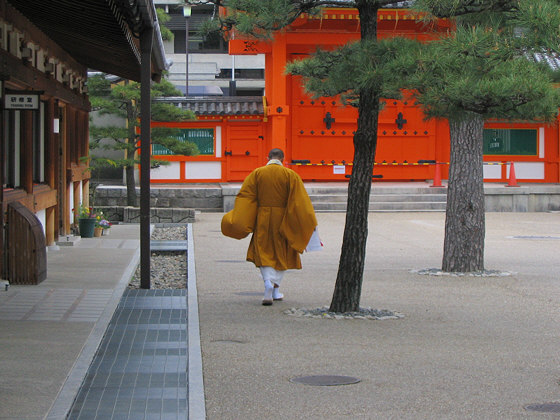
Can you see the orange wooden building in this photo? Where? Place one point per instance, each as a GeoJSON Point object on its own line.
{"type": "Point", "coordinates": [316, 134]}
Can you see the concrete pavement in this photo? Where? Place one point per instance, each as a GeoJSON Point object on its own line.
{"type": "Point", "coordinates": [49, 332]}
{"type": "Point", "coordinates": [467, 348]}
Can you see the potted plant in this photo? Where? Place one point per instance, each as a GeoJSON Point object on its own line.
{"type": "Point", "coordinates": [105, 226]}
{"type": "Point", "coordinates": [98, 230]}
{"type": "Point", "coordinates": [86, 221]}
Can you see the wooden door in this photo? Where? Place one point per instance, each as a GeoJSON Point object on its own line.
{"type": "Point", "coordinates": [321, 135]}
{"type": "Point", "coordinates": [244, 150]}
{"type": "Point", "coordinates": [404, 139]}
{"type": "Point", "coordinates": [321, 142]}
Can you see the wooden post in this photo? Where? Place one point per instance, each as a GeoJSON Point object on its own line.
{"type": "Point", "coordinates": [50, 179]}
{"type": "Point", "coordinates": [146, 40]}
{"type": "Point", "coordinates": [2, 158]}
{"type": "Point", "coordinates": [65, 191]}
{"type": "Point", "coordinates": [76, 196]}
{"type": "Point", "coordinates": [50, 221]}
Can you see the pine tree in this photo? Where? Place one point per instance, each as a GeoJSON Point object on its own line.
{"type": "Point", "coordinates": [458, 80]}
{"type": "Point", "coordinates": [123, 100]}
{"type": "Point", "coordinates": [361, 84]}
{"type": "Point", "coordinates": [483, 70]}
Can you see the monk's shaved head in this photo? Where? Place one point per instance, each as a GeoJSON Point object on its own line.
{"type": "Point", "coordinates": [276, 154]}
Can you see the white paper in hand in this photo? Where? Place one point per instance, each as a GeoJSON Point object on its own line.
{"type": "Point", "coordinates": [315, 243]}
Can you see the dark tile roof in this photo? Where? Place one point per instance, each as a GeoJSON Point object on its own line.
{"type": "Point", "coordinates": [101, 35]}
{"type": "Point", "coordinates": [226, 105]}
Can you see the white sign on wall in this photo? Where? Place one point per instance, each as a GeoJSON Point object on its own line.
{"type": "Point", "coordinates": [21, 101]}
{"type": "Point", "coordinates": [339, 169]}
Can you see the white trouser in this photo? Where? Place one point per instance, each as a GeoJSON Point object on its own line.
{"type": "Point", "coordinates": [272, 275]}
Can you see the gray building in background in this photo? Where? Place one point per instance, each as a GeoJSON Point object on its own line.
{"type": "Point", "coordinates": [210, 68]}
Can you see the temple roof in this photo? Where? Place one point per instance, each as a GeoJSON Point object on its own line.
{"type": "Point", "coordinates": [101, 35]}
{"type": "Point", "coordinates": [226, 105]}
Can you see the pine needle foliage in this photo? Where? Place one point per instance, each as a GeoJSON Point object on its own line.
{"type": "Point", "coordinates": [357, 73]}
{"type": "Point", "coordinates": [352, 69]}
{"type": "Point", "coordinates": [488, 68]}
{"type": "Point", "coordinates": [121, 99]}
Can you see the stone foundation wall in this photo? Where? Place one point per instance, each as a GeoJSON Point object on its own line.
{"type": "Point", "coordinates": [157, 215]}
{"type": "Point", "coordinates": [174, 205]}
{"type": "Point", "coordinates": [206, 199]}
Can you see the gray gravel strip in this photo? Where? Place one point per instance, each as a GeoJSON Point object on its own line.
{"type": "Point", "coordinates": [168, 268]}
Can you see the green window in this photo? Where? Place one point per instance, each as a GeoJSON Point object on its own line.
{"type": "Point", "coordinates": [202, 137]}
{"type": "Point", "coordinates": [510, 142]}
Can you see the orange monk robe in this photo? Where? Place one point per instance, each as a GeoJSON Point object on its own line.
{"type": "Point", "coordinates": [272, 204]}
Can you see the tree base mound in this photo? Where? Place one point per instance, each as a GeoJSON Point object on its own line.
{"type": "Point", "coordinates": [363, 313]}
{"type": "Point", "coordinates": [484, 273]}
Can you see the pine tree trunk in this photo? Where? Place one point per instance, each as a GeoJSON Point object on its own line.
{"type": "Point", "coordinates": [131, 196]}
{"type": "Point", "coordinates": [348, 288]}
{"type": "Point", "coordinates": [463, 249]}
{"type": "Point", "coordinates": [131, 116]}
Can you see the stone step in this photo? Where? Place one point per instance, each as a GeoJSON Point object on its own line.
{"type": "Point", "coordinates": [376, 198]}
{"type": "Point", "coordinates": [384, 206]}
{"type": "Point", "coordinates": [387, 211]}
{"type": "Point", "coordinates": [376, 189]}
{"type": "Point", "coordinates": [382, 198]}
{"type": "Point", "coordinates": [221, 197]}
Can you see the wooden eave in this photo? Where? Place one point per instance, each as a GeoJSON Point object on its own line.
{"type": "Point", "coordinates": [99, 34]}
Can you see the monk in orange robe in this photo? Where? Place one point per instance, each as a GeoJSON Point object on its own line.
{"type": "Point", "coordinates": [273, 205]}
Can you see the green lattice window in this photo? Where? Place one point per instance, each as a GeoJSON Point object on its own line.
{"type": "Point", "coordinates": [202, 137]}
{"type": "Point", "coordinates": [510, 142]}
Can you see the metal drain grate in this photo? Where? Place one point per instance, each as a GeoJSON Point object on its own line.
{"type": "Point", "coordinates": [325, 380]}
{"type": "Point", "coordinates": [544, 408]}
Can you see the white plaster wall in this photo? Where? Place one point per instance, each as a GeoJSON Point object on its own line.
{"type": "Point", "coordinates": [203, 170]}
{"type": "Point", "coordinates": [218, 141]}
{"type": "Point", "coordinates": [42, 216]}
{"type": "Point", "coordinates": [492, 171]}
{"type": "Point", "coordinates": [541, 142]}
{"type": "Point", "coordinates": [528, 170]}
{"type": "Point", "coordinates": [71, 205]}
{"type": "Point", "coordinates": [171, 171]}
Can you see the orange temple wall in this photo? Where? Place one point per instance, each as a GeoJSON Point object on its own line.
{"type": "Point", "coordinates": [317, 134]}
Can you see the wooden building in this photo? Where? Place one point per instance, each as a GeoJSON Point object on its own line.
{"type": "Point", "coordinates": [46, 49]}
{"type": "Point", "coordinates": [317, 134]}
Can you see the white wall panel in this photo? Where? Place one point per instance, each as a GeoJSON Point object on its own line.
{"type": "Point", "coordinates": [492, 171]}
{"type": "Point", "coordinates": [528, 170]}
{"type": "Point", "coordinates": [203, 170]}
{"type": "Point", "coordinates": [171, 171]}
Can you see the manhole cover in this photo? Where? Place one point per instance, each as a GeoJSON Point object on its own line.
{"type": "Point", "coordinates": [325, 380]}
{"type": "Point", "coordinates": [544, 408]}
{"type": "Point", "coordinates": [249, 293]}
